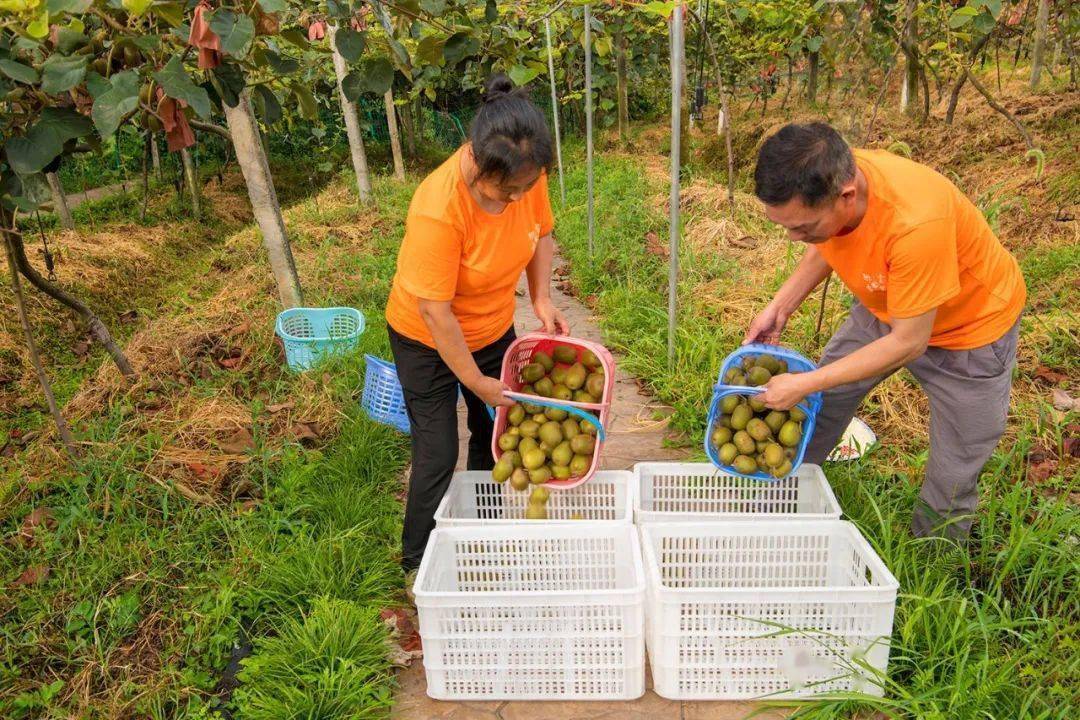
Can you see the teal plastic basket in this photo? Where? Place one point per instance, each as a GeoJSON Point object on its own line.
{"type": "Point", "coordinates": [312, 334]}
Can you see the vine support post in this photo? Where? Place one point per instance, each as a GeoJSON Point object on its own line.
{"type": "Point", "coordinates": [395, 139]}
{"type": "Point", "coordinates": [263, 197]}
{"type": "Point", "coordinates": [1038, 52]}
{"type": "Point", "coordinates": [676, 130]}
{"type": "Point", "coordinates": [589, 126]}
{"type": "Point", "coordinates": [555, 110]}
{"type": "Point", "coordinates": [60, 203]}
{"type": "Point", "coordinates": [352, 126]}
{"type": "Point", "coordinates": [191, 181]}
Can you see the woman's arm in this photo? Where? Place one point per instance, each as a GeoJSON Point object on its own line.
{"type": "Point", "coordinates": [450, 344]}
{"type": "Point", "coordinates": [538, 272]}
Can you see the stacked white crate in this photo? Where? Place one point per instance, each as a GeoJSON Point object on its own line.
{"type": "Point", "coordinates": [758, 589]}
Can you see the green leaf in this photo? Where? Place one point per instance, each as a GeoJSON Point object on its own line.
{"type": "Point", "coordinates": [602, 45]}
{"type": "Point", "coordinates": [349, 43]}
{"type": "Point", "coordinates": [433, 7]}
{"type": "Point", "coordinates": [60, 73]}
{"type": "Point", "coordinates": [18, 72]}
{"type": "Point", "coordinates": [962, 16]}
{"type": "Point", "coordinates": [607, 104]}
{"type": "Point", "coordinates": [111, 106]}
{"type": "Point", "coordinates": [228, 80]}
{"type": "Point", "coordinates": [293, 36]}
{"type": "Point", "coordinates": [46, 139]}
{"type": "Point", "coordinates": [456, 48]}
{"type": "Point", "coordinates": [75, 7]}
{"type": "Point", "coordinates": [176, 83]}
{"type": "Point", "coordinates": [273, 5]}
{"type": "Point", "coordinates": [171, 12]}
{"type": "Point", "coordinates": [522, 75]}
{"type": "Point", "coordinates": [309, 110]}
{"type": "Point", "coordinates": [96, 84]}
{"type": "Point", "coordinates": [376, 76]}
{"type": "Point", "coordinates": [235, 31]}
{"type": "Point", "coordinates": [137, 8]}
{"type": "Point", "coordinates": [39, 27]}
{"type": "Point", "coordinates": [940, 45]}
{"type": "Point", "coordinates": [282, 64]}
{"type": "Point", "coordinates": [147, 43]}
{"type": "Point", "coordinates": [814, 44]}
{"type": "Point", "coordinates": [267, 103]}
{"type": "Point", "coordinates": [491, 11]}
{"type": "Point", "coordinates": [68, 40]}
{"type": "Point", "coordinates": [430, 50]}
{"type": "Point", "coordinates": [352, 85]}
{"type": "Point", "coordinates": [401, 55]}
{"type": "Point", "coordinates": [662, 9]}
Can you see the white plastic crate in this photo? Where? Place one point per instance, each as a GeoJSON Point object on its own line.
{"type": "Point", "coordinates": [533, 612]}
{"type": "Point", "coordinates": [736, 610]}
{"type": "Point", "coordinates": [677, 492]}
{"type": "Point", "coordinates": [473, 498]}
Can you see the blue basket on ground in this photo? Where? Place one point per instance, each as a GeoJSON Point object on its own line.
{"type": "Point", "coordinates": [311, 334]}
{"type": "Point", "coordinates": [811, 405]}
{"type": "Point", "coordinates": [382, 398]}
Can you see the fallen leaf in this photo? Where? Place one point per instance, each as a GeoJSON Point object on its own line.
{"type": "Point", "coordinates": [403, 642]}
{"type": "Point", "coordinates": [241, 329]}
{"type": "Point", "coordinates": [653, 246]}
{"type": "Point", "coordinates": [36, 518]}
{"type": "Point", "coordinates": [1049, 376]}
{"type": "Point", "coordinates": [129, 316]}
{"type": "Point", "coordinates": [238, 443]}
{"type": "Point", "coordinates": [305, 433]}
{"type": "Point", "coordinates": [591, 300]}
{"type": "Point", "coordinates": [1063, 401]}
{"type": "Point", "coordinates": [746, 242]}
{"type": "Point", "coordinates": [231, 362]}
{"type": "Point", "coordinates": [81, 348]}
{"type": "Point", "coordinates": [198, 469]}
{"type": "Point", "coordinates": [275, 409]}
{"type": "Point", "coordinates": [1037, 472]}
{"type": "Point", "coordinates": [32, 576]}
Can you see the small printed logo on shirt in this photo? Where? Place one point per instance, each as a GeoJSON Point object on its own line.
{"type": "Point", "coordinates": [534, 236]}
{"type": "Point", "coordinates": [874, 283]}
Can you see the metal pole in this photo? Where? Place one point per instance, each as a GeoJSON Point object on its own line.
{"type": "Point", "coordinates": [676, 141]}
{"type": "Point", "coordinates": [555, 110]}
{"type": "Point", "coordinates": [588, 122]}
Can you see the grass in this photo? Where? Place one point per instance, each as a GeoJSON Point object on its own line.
{"type": "Point", "coordinates": [984, 631]}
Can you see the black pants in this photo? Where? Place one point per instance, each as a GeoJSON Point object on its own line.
{"type": "Point", "coordinates": [431, 393]}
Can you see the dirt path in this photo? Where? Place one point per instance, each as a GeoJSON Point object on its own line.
{"type": "Point", "coordinates": [634, 436]}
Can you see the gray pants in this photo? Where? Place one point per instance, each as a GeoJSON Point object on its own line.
{"type": "Point", "coordinates": [969, 402]}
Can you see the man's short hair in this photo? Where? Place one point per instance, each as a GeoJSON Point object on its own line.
{"type": "Point", "coordinates": [809, 160]}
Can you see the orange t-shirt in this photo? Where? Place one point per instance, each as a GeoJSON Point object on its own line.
{"type": "Point", "coordinates": [454, 250]}
{"type": "Point", "coordinates": [922, 245]}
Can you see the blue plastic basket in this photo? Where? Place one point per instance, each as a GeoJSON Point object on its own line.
{"type": "Point", "coordinates": [382, 398]}
{"type": "Point", "coordinates": [811, 405]}
{"type": "Point", "coordinates": [311, 334]}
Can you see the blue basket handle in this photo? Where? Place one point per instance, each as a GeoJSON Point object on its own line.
{"type": "Point", "coordinates": [534, 400]}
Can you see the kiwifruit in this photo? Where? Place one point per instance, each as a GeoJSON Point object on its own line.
{"type": "Point", "coordinates": [589, 359]}
{"type": "Point", "coordinates": [533, 459]}
{"type": "Point", "coordinates": [745, 464]}
{"type": "Point", "coordinates": [758, 376]}
{"type": "Point", "coordinates": [730, 374]}
{"type": "Point", "coordinates": [551, 433]}
{"type": "Point", "coordinates": [758, 429]}
{"type": "Point", "coordinates": [766, 361]}
{"type": "Point", "coordinates": [775, 420]}
{"type": "Point", "coordinates": [748, 362]}
{"type": "Point", "coordinates": [527, 444]}
{"type": "Point", "coordinates": [790, 434]}
{"type": "Point", "coordinates": [544, 387]}
{"type": "Point", "coordinates": [579, 465]}
{"type": "Point", "coordinates": [587, 427]}
{"type": "Point", "coordinates": [532, 372]}
{"type": "Point", "coordinates": [743, 442]}
{"type": "Point", "coordinates": [561, 392]}
{"type": "Point", "coordinates": [562, 454]}
{"type": "Point", "coordinates": [781, 367]}
{"type": "Point", "coordinates": [529, 428]}
{"type": "Point", "coordinates": [756, 403]}
{"type": "Point", "coordinates": [564, 354]}
{"type": "Point", "coordinates": [594, 384]}
{"type": "Point", "coordinates": [539, 495]}
{"type": "Point", "coordinates": [583, 396]}
{"type": "Point", "coordinates": [519, 480]}
{"type": "Point", "coordinates": [558, 375]}
{"type": "Point", "coordinates": [739, 378]}
{"type": "Point", "coordinates": [508, 441]}
{"type": "Point", "coordinates": [513, 457]}
{"type": "Point", "coordinates": [728, 453]}
{"type": "Point", "coordinates": [532, 408]}
{"type": "Point", "coordinates": [583, 444]}
{"type": "Point", "coordinates": [570, 428]}
{"type": "Point", "coordinates": [728, 403]}
{"type": "Point", "coordinates": [542, 358]}
{"type": "Point", "coordinates": [540, 475]}
{"type": "Point", "coordinates": [774, 455]}
{"type": "Point", "coordinates": [556, 414]}
{"type": "Point", "coordinates": [536, 511]}
{"type": "Point", "coordinates": [514, 430]}
{"type": "Point", "coordinates": [761, 445]}
{"type": "Point", "coordinates": [724, 421]}
{"type": "Point", "coordinates": [540, 418]}
{"type": "Point", "coordinates": [560, 472]}
{"type": "Point", "coordinates": [547, 448]}
{"type": "Point", "coordinates": [502, 471]}
{"type": "Point", "coordinates": [516, 415]}
{"type": "Point", "coordinates": [575, 376]}
{"type": "Point", "coordinates": [741, 416]}
{"type": "Point", "coordinates": [796, 413]}
{"type": "Point", "coordinates": [781, 470]}
{"type": "Point", "coordinates": [790, 453]}
{"type": "Point", "coordinates": [721, 436]}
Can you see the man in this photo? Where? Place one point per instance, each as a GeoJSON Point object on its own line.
{"type": "Point", "coordinates": [935, 292]}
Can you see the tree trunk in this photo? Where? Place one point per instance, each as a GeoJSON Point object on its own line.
{"type": "Point", "coordinates": [910, 88]}
{"type": "Point", "coordinates": [155, 155]}
{"type": "Point", "coordinates": [407, 129]}
{"type": "Point", "coordinates": [352, 128]}
{"type": "Point", "coordinates": [954, 94]}
{"type": "Point", "coordinates": [395, 142]}
{"type": "Point", "coordinates": [60, 203]}
{"type": "Point", "coordinates": [1001, 109]}
{"type": "Point", "coordinates": [191, 180]}
{"type": "Point", "coordinates": [31, 349]}
{"type": "Point", "coordinates": [620, 85]}
{"type": "Point", "coordinates": [1042, 20]}
{"type": "Point", "coordinates": [263, 196]}
{"type": "Point", "coordinates": [97, 328]}
{"type": "Point", "coordinates": [790, 82]}
{"type": "Point", "coordinates": [811, 77]}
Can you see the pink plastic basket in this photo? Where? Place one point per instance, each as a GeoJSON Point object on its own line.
{"type": "Point", "coordinates": [518, 356]}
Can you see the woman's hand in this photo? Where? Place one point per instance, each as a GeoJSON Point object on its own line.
{"type": "Point", "coordinates": [767, 326]}
{"type": "Point", "coordinates": [552, 319]}
{"type": "Point", "coordinates": [490, 390]}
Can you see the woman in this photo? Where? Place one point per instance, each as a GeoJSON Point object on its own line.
{"type": "Point", "coordinates": [474, 225]}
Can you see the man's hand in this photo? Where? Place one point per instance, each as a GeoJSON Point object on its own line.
{"type": "Point", "coordinates": [767, 326]}
{"type": "Point", "coordinates": [490, 390]}
{"type": "Point", "coordinates": [786, 390]}
{"type": "Point", "coordinates": [551, 318]}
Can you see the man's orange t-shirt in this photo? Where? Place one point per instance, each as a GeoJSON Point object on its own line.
{"type": "Point", "coordinates": [454, 250]}
{"type": "Point", "coordinates": [923, 245]}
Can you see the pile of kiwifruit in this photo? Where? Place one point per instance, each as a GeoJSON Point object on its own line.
{"type": "Point", "coordinates": [543, 443]}
{"type": "Point", "coordinates": [750, 437]}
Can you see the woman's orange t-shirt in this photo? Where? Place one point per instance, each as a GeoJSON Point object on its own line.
{"type": "Point", "coordinates": [923, 245]}
{"type": "Point", "coordinates": [454, 250]}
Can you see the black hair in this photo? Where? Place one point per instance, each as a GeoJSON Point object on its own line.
{"type": "Point", "coordinates": [809, 160]}
{"type": "Point", "coordinates": [509, 133]}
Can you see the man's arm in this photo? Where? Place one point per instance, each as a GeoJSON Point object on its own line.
{"type": "Point", "coordinates": [907, 341]}
{"type": "Point", "coordinates": [810, 272]}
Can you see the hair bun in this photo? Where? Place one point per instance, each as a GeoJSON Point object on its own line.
{"type": "Point", "coordinates": [498, 86]}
